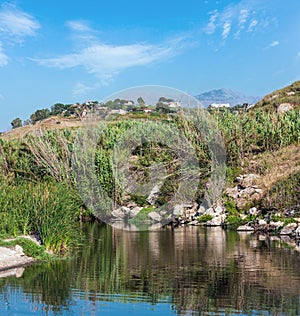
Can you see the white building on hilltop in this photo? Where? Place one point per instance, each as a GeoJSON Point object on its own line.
{"type": "Point", "coordinates": [220, 105]}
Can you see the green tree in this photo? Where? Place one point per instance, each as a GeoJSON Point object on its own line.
{"type": "Point", "coordinates": [39, 115]}
{"type": "Point", "coordinates": [57, 108]}
{"type": "Point", "coordinates": [17, 122]}
{"type": "Point", "coordinates": [141, 101]}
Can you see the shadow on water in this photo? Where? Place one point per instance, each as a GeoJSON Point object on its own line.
{"type": "Point", "coordinates": [194, 270]}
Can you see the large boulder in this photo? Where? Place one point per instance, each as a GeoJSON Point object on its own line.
{"type": "Point", "coordinates": [216, 221]}
{"type": "Point", "coordinates": [154, 216]}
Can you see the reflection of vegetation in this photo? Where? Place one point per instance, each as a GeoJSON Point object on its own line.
{"type": "Point", "coordinates": [160, 264]}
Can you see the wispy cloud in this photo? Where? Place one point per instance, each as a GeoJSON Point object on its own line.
{"type": "Point", "coordinates": [81, 89]}
{"type": "Point", "coordinates": [105, 61]}
{"type": "Point", "coordinates": [274, 44]}
{"type": "Point", "coordinates": [212, 25]}
{"type": "Point", "coordinates": [252, 25]}
{"type": "Point", "coordinates": [17, 24]}
{"type": "Point", "coordinates": [3, 57]}
{"type": "Point", "coordinates": [226, 29]}
{"type": "Point", "coordinates": [245, 15]}
{"type": "Point", "coordinates": [79, 26]}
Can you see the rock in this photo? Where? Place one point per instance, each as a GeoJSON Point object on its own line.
{"type": "Point", "coordinates": [178, 210]}
{"type": "Point", "coordinates": [288, 229]}
{"type": "Point", "coordinates": [259, 191]}
{"type": "Point", "coordinates": [134, 212]}
{"type": "Point", "coordinates": [254, 211]}
{"type": "Point", "coordinates": [210, 211]}
{"type": "Point", "coordinates": [298, 233]}
{"type": "Point", "coordinates": [216, 221]}
{"type": "Point", "coordinates": [200, 211]}
{"type": "Point", "coordinates": [154, 216]}
{"type": "Point", "coordinates": [19, 250]}
{"type": "Point", "coordinates": [284, 107]}
{"type": "Point", "coordinates": [248, 180]}
{"type": "Point", "coordinates": [245, 228]}
{"type": "Point", "coordinates": [131, 204]}
{"type": "Point", "coordinates": [151, 199]}
{"type": "Point", "coordinates": [219, 210]}
{"type": "Point", "coordinates": [276, 224]}
{"type": "Point", "coordinates": [194, 223]}
{"type": "Point", "coordinates": [233, 192]}
{"type": "Point", "coordinates": [119, 213]}
{"type": "Point", "coordinates": [262, 222]}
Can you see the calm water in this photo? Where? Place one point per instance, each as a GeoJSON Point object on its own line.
{"type": "Point", "coordinates": [192, 271]}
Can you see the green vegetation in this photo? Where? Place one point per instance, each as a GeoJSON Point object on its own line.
{"type": "Point", "coordinates": [30, 248]}
{"type": "Point", "coordinates": [38, 192]}
{"type": "Point", "coordinates": [204, 218]}
{"type": "Point", "coordinates": [142, 216]}
{"type": "Point", "coordinates": [44, 208]}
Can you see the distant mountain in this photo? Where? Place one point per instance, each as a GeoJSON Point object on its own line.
{"type": "Point", "coordinates": [225, 96]}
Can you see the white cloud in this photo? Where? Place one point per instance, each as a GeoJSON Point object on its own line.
{"type": "Point", "coordinates": [3, 57]}
{"type": "Point", "coordinates": [244, 15]}
{"type": "Point", "coordinates": [105, 61]}
{"type": "Point", "coordinates": [252, 25]}
{"type": "Point", "coordinates": [211, 26]}
{"type": "Point", "coordinates": [275, 43]}
{"type": "Point", "coordinates": [81, 89]}
{"type": "Point", "coordinates": [226, 29]}
{"type": "Point", "coordinates": [15, 23]}
{"type": "Point", "coordinates": [79, 26]}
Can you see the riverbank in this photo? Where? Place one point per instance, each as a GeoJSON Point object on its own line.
{"type": "Point", "coordinates": [16, 253]}
{"type": "Point", "coordinates": [13, 260]}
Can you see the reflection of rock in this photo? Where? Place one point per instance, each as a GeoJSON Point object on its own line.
{"type": "Point", "coordinates": [18, 272]}
{"type": "Point", "coordinates": [245, 228]}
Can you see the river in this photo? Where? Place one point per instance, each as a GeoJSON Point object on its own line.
{"type": "Point", "coordinates": [189, 271]}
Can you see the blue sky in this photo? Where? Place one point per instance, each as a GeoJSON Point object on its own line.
{"type": "Point", "coordinates": [71, 51]}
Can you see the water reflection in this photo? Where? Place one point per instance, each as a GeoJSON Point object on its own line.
{"type": "Point", "coordinates": [191, 270]}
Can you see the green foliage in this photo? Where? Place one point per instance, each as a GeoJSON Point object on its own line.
{"type": "Point", "coordinates": [234, 221]}
{"type": "Point", "coordinates": [39, 115]}
{"type": "Point", "coordinates": [140, 200]}
{"type": "Point", "coordinates": [49, 209]}
{"type": "Point", "coordinates": [231, 207]}
{"type": "Point", "coordinates": [289, 221]}
{"type": "Point", "coordinates": [30, 248]}
{"type": "Point", "coordinates": [17, 122]}
{"type": "Point", "coordinates": [204, 218]}
{"type": "Point", "coordinates": [285, 194]}
{"type": "Point", "coordinates": [142, 216]}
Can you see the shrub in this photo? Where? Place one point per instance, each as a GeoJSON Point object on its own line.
{"type": "Point", "coordinates": [204, 218]}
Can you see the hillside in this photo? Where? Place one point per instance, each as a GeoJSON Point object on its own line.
{"type": "Point", "coordinates": [262, 165]}
{"type": "Point", "coordinates": [225, 96]}
{"type": "Point", "coordinates": [281, 100]}
{"type": "Point", "coordinates": [50, 123]}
